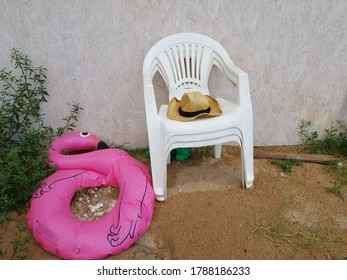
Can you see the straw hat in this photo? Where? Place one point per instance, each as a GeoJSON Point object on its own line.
{"type": "Point", "coordinates": [191, 106]}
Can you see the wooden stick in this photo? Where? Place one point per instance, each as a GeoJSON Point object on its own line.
{"type": "Point", "coordinates": [314, 158]}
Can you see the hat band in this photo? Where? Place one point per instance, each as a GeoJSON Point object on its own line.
{"type": "Point", "coordinates": [193, 114]}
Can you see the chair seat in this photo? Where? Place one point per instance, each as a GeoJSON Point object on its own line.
{"type": "Point", "coordinates": [230, 116]}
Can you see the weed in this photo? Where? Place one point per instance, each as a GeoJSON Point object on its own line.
{"type": "Point", "coordinates": [24, 138]}
{"type": "Point", "coordinates": [339, 171]}
{"type": "Point", "coordinates": [306, 238]}
{"type": "Point", "coordinates": [140, 154]}
{"type": "Point", "coordinates": [18, 244]}
{"type": "Point", "coordinates": [334, 142]}
{"type": "Point", "coordinates": [3, 253]}
{"type": "Point", "coordinates": [336, 189]}
{"type": "Point", "coordinates": [286, 164]}
{"type": "Point", "coordinates": [201, 153]}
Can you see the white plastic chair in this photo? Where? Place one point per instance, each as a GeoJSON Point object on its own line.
{"type": "Point", "coordinates": [184, 60]}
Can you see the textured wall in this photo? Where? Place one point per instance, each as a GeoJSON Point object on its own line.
{"type": "Point", "coordinates": [294, 51]}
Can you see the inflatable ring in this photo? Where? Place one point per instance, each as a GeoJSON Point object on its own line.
{"type": "Point", "coordinates": [50, 217]}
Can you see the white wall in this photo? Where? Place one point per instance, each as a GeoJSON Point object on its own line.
{"type": "Point", "coordinates": [295, 53]}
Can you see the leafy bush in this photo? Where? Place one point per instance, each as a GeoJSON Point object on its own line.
{"type": "Point", "coordinates": [334, 142]}
{"type": "Point", "coordinates": [24, 138]}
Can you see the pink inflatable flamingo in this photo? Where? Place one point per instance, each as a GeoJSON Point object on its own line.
{"type": "Point", "coordinates": [50, 217]}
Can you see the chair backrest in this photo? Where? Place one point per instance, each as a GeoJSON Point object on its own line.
{"type": "Point", "coordinates": [184, 60]}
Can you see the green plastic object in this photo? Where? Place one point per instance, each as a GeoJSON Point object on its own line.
{"type": "Point", "coordinates": [181, 154]}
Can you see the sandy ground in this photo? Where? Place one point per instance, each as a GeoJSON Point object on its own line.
{"type": "Point", "coordinates": [209, 216]}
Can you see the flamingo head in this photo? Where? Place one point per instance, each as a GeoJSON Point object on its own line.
{"type": "Point", "coordinates": [77, 141]}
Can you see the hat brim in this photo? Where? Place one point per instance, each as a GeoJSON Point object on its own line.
{"type": "Point", "coordinates": [174, 105]}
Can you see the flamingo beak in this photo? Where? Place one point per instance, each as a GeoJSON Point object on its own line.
{"type": "Point", "coordinates": [102, 145]}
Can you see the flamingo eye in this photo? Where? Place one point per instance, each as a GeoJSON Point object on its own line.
{"type": "Point", "coordinates": [84, 134]}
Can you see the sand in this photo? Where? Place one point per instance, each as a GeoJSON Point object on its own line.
{"type": "Point", "coordinates": [209, 216]}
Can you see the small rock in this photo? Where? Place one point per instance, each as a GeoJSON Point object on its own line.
{"type": "Point", "coordinates": [93, 208]}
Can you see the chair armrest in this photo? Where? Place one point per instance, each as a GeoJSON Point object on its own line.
{"type": "Point", "coordinates": [240, 78]}
{"type": "Point", "coordinates": [244, 92]}
{"type": "Point", "coordinates": [231, 71]}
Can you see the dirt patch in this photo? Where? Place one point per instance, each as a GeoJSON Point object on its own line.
{"type": "Point", "coordinates": [209, 216]}
{"type": "Point", "coordinates": [93, 203]}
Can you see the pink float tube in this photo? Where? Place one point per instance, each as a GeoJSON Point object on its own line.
{"type": "Point", "coordinates": [50, 217]}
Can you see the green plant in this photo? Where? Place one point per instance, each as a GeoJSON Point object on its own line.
{"type": "Point", "coordinates": [336, 189]}
{"type": "Point", "coordinates": [339, 170]}
{"type": "Point", "coordinates": [18, 244]}
{"type": "Point", "coordinates": [286, 164]}
{"type": "Point", "coordinates": [334, 141]}
{"type": "Point", "coordinates": [305, 237]}
{"type": "Point", "coordinates": [140, 154]}
{"type": "Point", "coordinates": [3, 253]}
{"type": "Point", "coordinates": [24, 138]}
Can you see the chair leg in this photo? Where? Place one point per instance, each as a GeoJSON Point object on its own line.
{"type": "Point", "coordinates": [169, 158]}
{"type": "Point", "coordinates": [218, 151]}
{"type": "Point", "coordinates": [159, 173]}
{"type": "Point", "coordinates": [248, 162]}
